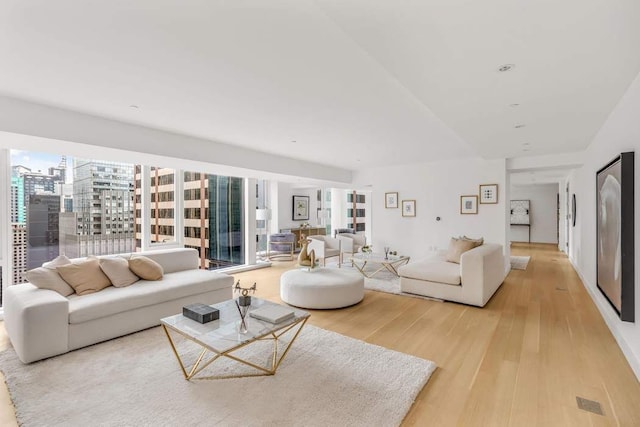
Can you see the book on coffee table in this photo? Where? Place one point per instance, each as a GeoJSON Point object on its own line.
{"type": "Point", "coordinates": [272, 313]}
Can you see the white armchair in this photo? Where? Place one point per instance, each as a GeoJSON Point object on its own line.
{"type": "Point", "coordinates": [325, 247]}
{"type": "Point", "coordinates": [351, 243]}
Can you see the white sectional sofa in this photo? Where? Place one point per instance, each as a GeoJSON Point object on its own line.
{"type": "Point", "coordinates": [474, 281]}
{"type": "Point", "coordinates": [42, 323]}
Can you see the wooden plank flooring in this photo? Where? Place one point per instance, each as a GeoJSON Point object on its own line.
{"type": "Point", "coordinates": [520, 361]}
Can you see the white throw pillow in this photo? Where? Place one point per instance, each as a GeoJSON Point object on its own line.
{"type": "Point", "coordinates": [57, 262]}
{"type": "Point", "coordinates": [117, 270]}
{"type": "Point", "coordinates": [46, 278]}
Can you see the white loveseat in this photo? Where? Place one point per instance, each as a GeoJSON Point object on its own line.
{"type": "Point", "coordinates": [42, 323]}
{"type": "Point", "coordinates": [474, 281]}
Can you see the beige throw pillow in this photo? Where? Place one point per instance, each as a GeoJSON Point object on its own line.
{"type": "Point", "coordinates": [117, 270]}
{"type": "Point", "coordinates": [46, 278]}
{"type": "Point", "coordinates": [479, 241]}
{"type": "Point", "coordinates": [145, 268]}
{"type": "Point", "coordinates": [457, 247]}
{"type": "Point", "coordinates": [85, 276]}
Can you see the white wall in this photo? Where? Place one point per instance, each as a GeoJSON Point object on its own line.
{"type": "Point", "coordinates": [543, 213]}
{"type": "Point", "coordinates": [286, 192]}
{"type": "Point", "coordinates": [437, 188]}
{"type": "Point", "coordinates": [620, 133]}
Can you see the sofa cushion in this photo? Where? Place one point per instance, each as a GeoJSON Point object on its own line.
{"type": "Point", "coordinates": [144, 293]}
{"type": "Point", "coordinates": [47, 278]}
{"type": "Point", "coordinates": [57, 262]}
{"type": "Point", "coordinates": [84, 276]}
{"type": "Point", "coordinates": [432, 270]}
{"type": "Point", "coordinates": [459, 246]}
{"type": "Point", "coordinates": [118, 272]}
{"type": "Point", "coordinates": [173, 260]}
{"type": "Point", "coordinates": [145, 268]}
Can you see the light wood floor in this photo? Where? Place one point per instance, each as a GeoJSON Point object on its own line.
{"type": "Point", "coordinates": [519, 361]}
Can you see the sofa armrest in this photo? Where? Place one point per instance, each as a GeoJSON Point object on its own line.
{"type": "Point", "coordinates": [482, 270]}
{"type": "Point", "coordinates": [37, 322]}
{"type": "Point", "coordinates": [347, 243]}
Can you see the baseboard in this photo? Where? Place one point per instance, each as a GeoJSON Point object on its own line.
{"type": "Point", "coordinates": [611, 321]}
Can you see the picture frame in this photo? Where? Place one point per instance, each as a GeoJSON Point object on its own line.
{"type": "Point", "coordinates": [615, 234]}
{"type": "Point", "coordinates": [300, 208]}
{"type": "Point", "coordinates": [408, 208]}
{"type": "Point", "coordinates": [391, 200]}
{"type": "Point", "coordinates": [469, 205]}
{"type": "Point", "coordinates": [488, 194]}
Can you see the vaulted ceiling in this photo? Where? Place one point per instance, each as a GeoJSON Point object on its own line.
{"type": "Point", "coordinates": [351, 83]}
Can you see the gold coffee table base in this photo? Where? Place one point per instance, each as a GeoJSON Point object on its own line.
{"type": "Point", "coordinates": [390, 265]}
{"type": "Point", "coordinates": [201, 364]}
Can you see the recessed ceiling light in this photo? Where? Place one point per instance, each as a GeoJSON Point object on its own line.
{"type": "Point", "coordinates": [525, 143]}
{"type": "Point", "coordinates": [134, 106]}
{"type": "Point", "coordinates": [526, 149]}
{"type": "Point", "coordinates": [514, 105]}
{"type": "Point", "coordinates": [506, 67]}
{"type": "Point", "coordinates": [294, 142]}
{"type": "Point", "coordinates": [519, 126]}
{"type": "Point", "coordinates": [358, 160]}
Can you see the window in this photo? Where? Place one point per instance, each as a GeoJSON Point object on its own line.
{"type": "Point", "coordinates": [214, 225]}
{"type": "Point", "coordinates": [78, 208]}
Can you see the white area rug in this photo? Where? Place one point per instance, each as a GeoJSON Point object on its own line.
{"type": "Point", "coordinates": [326, 379]}
{"type": "Point", "coordinates": [384, 281]}
{"type": "Point", "coordinates": [519, 262]}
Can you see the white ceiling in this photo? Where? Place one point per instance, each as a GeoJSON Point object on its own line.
{"type": "Point", "coordinates": [356, 83]}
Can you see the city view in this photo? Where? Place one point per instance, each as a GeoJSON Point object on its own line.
{"type": "Point", "coordinates": [62, 205]}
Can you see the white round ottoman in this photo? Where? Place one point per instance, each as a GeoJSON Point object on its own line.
{"type": "Point", "coordinates": [321, 288]}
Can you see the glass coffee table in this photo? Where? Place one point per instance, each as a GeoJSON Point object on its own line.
{"type": "Point", "coordinates": [221, 338]}
{"type": "Point", "coordinates": [378, 262]}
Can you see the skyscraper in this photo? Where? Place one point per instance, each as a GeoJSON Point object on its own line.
{"type": "Point", "coordinates": [213, 214]}
{"type": "Point", "coordinates": [102, 218]}
{"type": "Point", "coordinates": [43, 215]}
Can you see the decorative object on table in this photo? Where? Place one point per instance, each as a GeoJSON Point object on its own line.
{"type": "Point", "coordinates": [366, 249]}
{"type": "Point", "coordinates": [391, 200]}
{"type": "Point", "coordinates": [469, 205]}
{"type": "Point", "coordinates": [488, 194]}
{"type": "Point", "coordinates": [408, 208]}
{"type": "Point", "coordinates": [201, 313]}
{"type": "Point", "coordinates": [573, 209]}
{"type": "Point", "coordinates": [243, 303]}
{"type": "Point", "coordinates": [615, 269]}
{"type": "Point", "coordinates": [306, 259]}
{"type": "Point", "coordinates": [300, 208]}
{"type": "Point", "coordinates": [386, 252]}
{"type": "Point", "coordinates": [273, 313]}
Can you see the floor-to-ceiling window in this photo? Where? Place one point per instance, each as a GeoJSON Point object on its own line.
{"type": "Point", "coordinates": [79, 207]}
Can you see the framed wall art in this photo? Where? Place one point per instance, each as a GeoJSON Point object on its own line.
{"type": "Point", "coordinates": [520, 212]}
{"type": "Point", "coordinates": [408, 208]}
{"type": "Point", "coordinates": [469, 205]}
{"type": "Point", "coordinates": [300, 208]}
{"type": "Point", "coordinates": [615, 232]}
{"type": "Point", "coordinates": [390, 200]}
{"type": "Point", "coordinates": [488, 194]}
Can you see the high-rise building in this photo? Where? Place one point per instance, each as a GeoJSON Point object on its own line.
{"type": "Point", "coordinates": [213, 214]}
{"type": "Point", "coordinates": [43, 215]}
{"type": "Point", "coordinates": [19, 270]}
{"type": "Point", "coordinates": [18, 212]}
{"type": "Point", "coordinates": [98, 219]}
